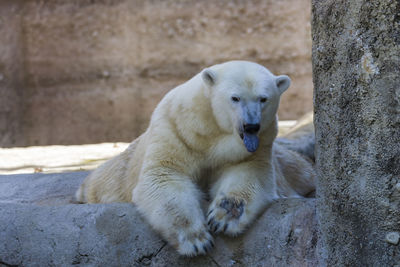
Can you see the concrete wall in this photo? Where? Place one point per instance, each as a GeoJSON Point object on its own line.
{"type": "Point", "coordinates": [85, 71]}
{"type": "Point", "coordinates": [11, 73]}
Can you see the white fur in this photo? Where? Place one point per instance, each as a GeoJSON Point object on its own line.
{"type": "Point", "coordinates": [194, 137]}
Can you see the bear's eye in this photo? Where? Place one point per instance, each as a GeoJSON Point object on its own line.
{"type": "Point", "coordinates": [263, 99]}
{"type": "Point", "coordinates": [235, 98]}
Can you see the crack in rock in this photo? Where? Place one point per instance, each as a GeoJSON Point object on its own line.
{"type": "Point", "coordinates": [146, 259]}
{"type": "Point", "coordinates": [7, 264]}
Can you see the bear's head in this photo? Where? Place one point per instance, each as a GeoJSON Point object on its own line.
{"type": "Point", "coordinates": [244, 97]}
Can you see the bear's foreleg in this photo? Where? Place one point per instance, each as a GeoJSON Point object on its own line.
{"type": "Point", "coordinates": [239, 195]}
{"type": "Point", "coordinates": [171, 204]}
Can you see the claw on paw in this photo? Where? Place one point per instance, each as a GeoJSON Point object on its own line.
{"type": "Point", "coordinates": [192, 244]}
{"type": "Point", "coordinates": [233, 209]}
{"type": "Point", "coordinates": [226, 215]}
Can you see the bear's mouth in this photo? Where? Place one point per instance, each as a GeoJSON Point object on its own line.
{"type": "Point", "coordinates": [250, 141]}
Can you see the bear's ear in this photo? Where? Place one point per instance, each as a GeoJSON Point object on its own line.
{"type": "Point", "coordinates": [209, 77]}
{"type": "Point", "coordinates": [282, 82]}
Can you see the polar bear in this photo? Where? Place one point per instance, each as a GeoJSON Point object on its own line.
{"type": "Point", "coordinates": [212, 136]}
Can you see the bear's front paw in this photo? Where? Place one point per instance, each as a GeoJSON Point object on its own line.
{"type": "Point", "coordinates": [227, 215]}
{"type": "Point", "coordinates": [192, 243]}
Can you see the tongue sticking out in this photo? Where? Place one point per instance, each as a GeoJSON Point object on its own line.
{"type": "Point", "coordinates": [250, 141]}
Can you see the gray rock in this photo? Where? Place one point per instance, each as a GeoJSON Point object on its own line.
{"type": "Point", "coordinates": [40, 227]}
{"type": "Point", "coordinates": [393, 238]}
{"type": "Point", "coordinates": [356, 59]}
{"type": "Point", "coordinates": [40, 189]}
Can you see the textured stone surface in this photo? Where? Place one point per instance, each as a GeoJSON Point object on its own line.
{"type": "Point", "coordinates": [356, 59]}
{"type": "Point", "coordinates": [40, 189]}
{"type": "Point", "coordinates": [39, 227]}
{"type": "Point", "coordinates": [83, 71]}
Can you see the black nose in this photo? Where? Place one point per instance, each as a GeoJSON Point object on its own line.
{"type": "Point", "coordinates": [251, 128]}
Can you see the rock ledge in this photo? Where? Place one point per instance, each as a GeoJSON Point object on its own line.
{"type": "Point", "coordinates": [40, 227]}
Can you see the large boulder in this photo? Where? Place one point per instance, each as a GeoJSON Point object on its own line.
{"type": "Point", "coordinates": [356, 59]}
{"type": "Point", "coordinates": [39, 226]}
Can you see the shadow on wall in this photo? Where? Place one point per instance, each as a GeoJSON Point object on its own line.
{"type": "Point", "coordinates": [87, 72]}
